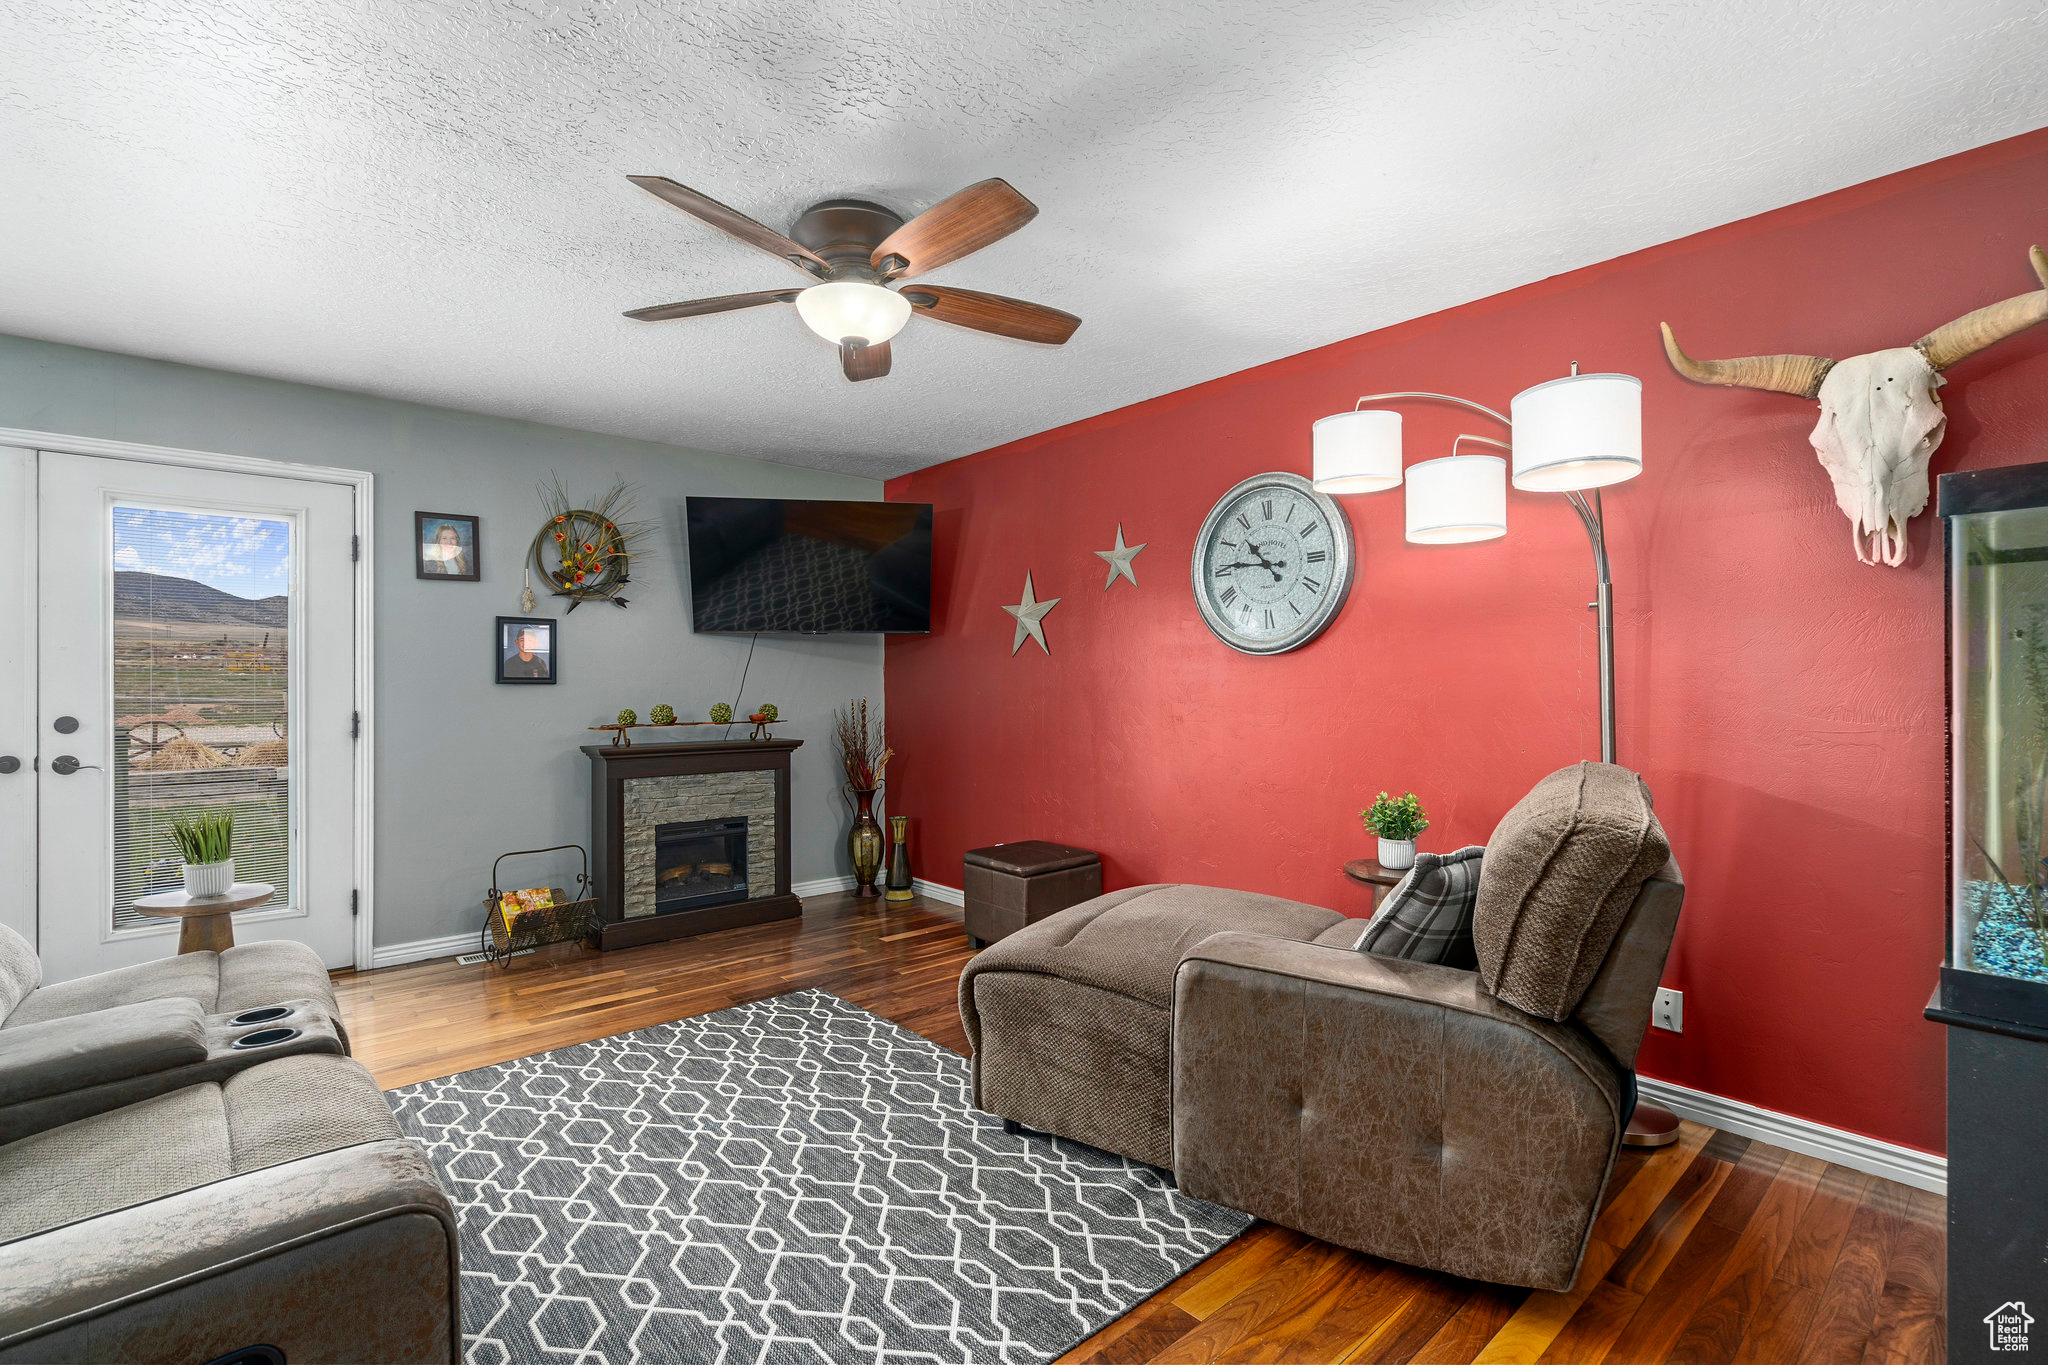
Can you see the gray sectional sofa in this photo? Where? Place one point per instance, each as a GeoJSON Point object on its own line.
{"type": "Point", "coordinates": [191, 1167]}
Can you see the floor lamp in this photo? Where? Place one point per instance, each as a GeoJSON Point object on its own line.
{"type": "Point", "coordinates": [1574, 436]}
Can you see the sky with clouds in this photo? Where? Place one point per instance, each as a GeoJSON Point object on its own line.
{"type": "Point", "coordinates": [246, 556]}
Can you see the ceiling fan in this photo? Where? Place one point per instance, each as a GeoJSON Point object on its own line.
{"type": "Point", "coordinates": [855, 250]}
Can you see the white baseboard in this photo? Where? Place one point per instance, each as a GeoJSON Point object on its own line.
{"type": "Point", "coordinates": [938, 891]}
{"type": "Point", "coordinates": [1907, 1165]}
{"type": "Point", "coordinates": [825, 886]}
{"type": "Point", "coordinates": [420, 949]}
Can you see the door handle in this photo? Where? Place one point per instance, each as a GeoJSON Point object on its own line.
{"type": "Point", "coordinates": [64, 765]}
{"type": "Point", "coordinates": [9, 764]}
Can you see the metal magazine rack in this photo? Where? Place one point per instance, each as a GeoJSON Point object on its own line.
{"type": "Point", "coordinates": [505, 934]}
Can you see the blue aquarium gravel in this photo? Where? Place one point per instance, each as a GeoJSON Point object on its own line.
{"type": "Point", "coordinates": [2006, 941]}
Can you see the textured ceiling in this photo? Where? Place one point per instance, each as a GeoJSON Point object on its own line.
{"type": "Point", "coordinates": [426, 199]}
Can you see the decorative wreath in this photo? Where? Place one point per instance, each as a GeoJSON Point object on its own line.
{"type": "Point", "coordinates": [585, 553]}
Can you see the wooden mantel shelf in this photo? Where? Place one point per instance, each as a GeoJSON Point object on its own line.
{"type": "Point", "coordinates": [633, 753]}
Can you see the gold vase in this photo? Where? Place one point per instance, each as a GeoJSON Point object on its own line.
{"type": "Point", "coordinates": [899, 859]}
{"type": "Point", "coordinates": [864, 842]}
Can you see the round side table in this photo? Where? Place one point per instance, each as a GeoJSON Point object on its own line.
{"type": "Point", "coordinates": [208, 921]}
{"type": "Point", "coordinates": [1380, 879]}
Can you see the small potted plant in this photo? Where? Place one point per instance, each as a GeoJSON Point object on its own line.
{"type": "Point", "coordinates": [1396, 820]}
{"type": "Point", "coordinates": [207, 844]}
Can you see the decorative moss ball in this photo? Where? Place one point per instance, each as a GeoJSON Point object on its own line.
{"type": "Point", "coordinates": [721, 712]}
{"type": "Point", "coordinates": [664, 714]}
{"type": "Point", "coordinates": [768, 711]}
{"type": "Point", "coordinates": [629, 717]}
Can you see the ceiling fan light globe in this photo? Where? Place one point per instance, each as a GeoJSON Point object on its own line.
{"type": "Point", "coordinates": [852, 311]}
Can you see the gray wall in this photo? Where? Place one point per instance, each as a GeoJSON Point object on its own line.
{"type": "Point", "coordinates": [466, 769]}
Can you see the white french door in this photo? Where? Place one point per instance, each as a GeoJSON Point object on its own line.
{"type": "Point", "coordinates": [17, 692]}
{"type": "Point", "coordinates": [192, 634]}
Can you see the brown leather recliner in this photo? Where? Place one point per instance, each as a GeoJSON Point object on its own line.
{"type": "Point", "coordinates": [1399, 1108]}
{"type": "Point", "coordinates": [1458, 1120]}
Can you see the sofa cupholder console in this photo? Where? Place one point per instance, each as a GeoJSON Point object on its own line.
{"type": "Point", "coordinates": [72, 1068]}
{"type": "Point", "coordinates": [265, 1037]}
{"type": "Point", "coordinates": [288, 1026]}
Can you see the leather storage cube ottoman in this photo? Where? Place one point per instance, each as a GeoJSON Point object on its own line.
{"type": "Point", "coordinates": [1011, 885]}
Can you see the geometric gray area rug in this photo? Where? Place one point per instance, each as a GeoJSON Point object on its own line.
{"type": "Point", "coordinates": [796, 1180]}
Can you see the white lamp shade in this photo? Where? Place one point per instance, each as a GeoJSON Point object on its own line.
{"type": "Point", "coordinates": [851, 310]}
{"type": "Point", "coordinates": [1358, 452]}
{"type": "Point", "coordinates": [1456, 499]}
{"type": "Point", "coordinates": [1582, 431]}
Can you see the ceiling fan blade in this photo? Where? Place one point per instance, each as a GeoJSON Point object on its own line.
{"type": "Point", "coordinates": [864, 362]}
{"type": "Point", "coordinates": [992, 313]}
{"type": "Point", "coordinates": [724, 303]}
{"type": "Point", "coordinates": [951, 228]}
{"type": "Point", "coordinates": [731, 222]}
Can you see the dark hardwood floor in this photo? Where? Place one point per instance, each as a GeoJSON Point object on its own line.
{"type": "Point", "coordinates": [1714, 1251]}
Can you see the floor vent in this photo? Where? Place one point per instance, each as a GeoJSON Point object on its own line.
{"type": "Point", "coordinates": [472, 959]}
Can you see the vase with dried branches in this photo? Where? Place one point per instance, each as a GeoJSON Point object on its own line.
{"type": "Point", "coordinates": [865, 755]}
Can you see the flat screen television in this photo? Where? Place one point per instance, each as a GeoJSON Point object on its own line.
{"type": "Point", "coordinates": [810, 567]}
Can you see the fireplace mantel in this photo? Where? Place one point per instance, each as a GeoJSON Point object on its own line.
{"type": "Point", "coordinates": [623, 920]}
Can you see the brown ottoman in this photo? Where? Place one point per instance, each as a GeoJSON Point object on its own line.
{"type": "Point", "coordinates": [1071, 1018]}
{"type": "Point", "coordinates": [1011, 885]}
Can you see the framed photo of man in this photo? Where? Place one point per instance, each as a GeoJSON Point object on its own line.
{"type": "Point", "coordinates": [448, 547]}
{"type": "Point", "coordinates": [525, 650]}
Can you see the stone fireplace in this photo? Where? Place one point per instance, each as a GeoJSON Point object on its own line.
{"type": "Point", "coordinates": [689, 838]}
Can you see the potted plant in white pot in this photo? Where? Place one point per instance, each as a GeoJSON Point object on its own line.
{"type": "Point", "coordinates": [207, 844]}
{"type": "Point", "coordinates": [1396, 820]}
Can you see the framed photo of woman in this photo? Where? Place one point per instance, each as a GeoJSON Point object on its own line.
{"type": "Point", "coordinates": [525, 650]}
{"type": "Point", "coordinates": [448, 547]}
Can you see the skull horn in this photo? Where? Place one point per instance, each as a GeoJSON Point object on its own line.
{"type": "Point", "coordinates": [1796, 374]}
{"type": "Point", "coordinates": [1972, 332]}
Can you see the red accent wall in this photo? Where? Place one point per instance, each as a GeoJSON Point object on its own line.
{"type": "Point", "coordinates": [1784, 701]}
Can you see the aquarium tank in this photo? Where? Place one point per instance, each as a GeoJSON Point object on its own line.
{"type": "Point", "coordinates": [1997, 544]}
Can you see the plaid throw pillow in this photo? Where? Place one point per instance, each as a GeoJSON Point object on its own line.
{"type": "Point", "coordinates": [1428, 917]}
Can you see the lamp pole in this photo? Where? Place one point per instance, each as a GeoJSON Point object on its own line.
{"type": "Point", "coordinates": [1595, 520]}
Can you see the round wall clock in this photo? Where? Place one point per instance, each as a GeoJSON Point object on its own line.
{"type": "Point", "coordinates": [1272, 564]}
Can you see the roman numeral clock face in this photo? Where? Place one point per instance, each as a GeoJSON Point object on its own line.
{"type": "Point", "coordinates": [1272, 565]}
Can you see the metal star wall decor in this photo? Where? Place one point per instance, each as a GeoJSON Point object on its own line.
{"type": "Point", "coordinates": [1120, 560]}
{"type": "Point", "coordinates": [1029, 613]}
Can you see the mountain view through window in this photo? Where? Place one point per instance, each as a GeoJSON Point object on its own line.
{"type": "Point", "coordinates": [202, 694]}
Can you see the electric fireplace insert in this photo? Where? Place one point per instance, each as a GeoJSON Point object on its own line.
{"type": "Point", "coordinates": [699, 863]}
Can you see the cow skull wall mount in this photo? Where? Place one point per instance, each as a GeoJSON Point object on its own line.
{"type": "Point", "coordinates": [1880, 414]}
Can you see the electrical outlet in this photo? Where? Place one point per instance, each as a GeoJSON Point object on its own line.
{"type": "Point", "coordinates": [1669, 1011]}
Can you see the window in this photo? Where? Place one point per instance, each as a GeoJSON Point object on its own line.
{"type": "Point", "coordinates": [202, 694]}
